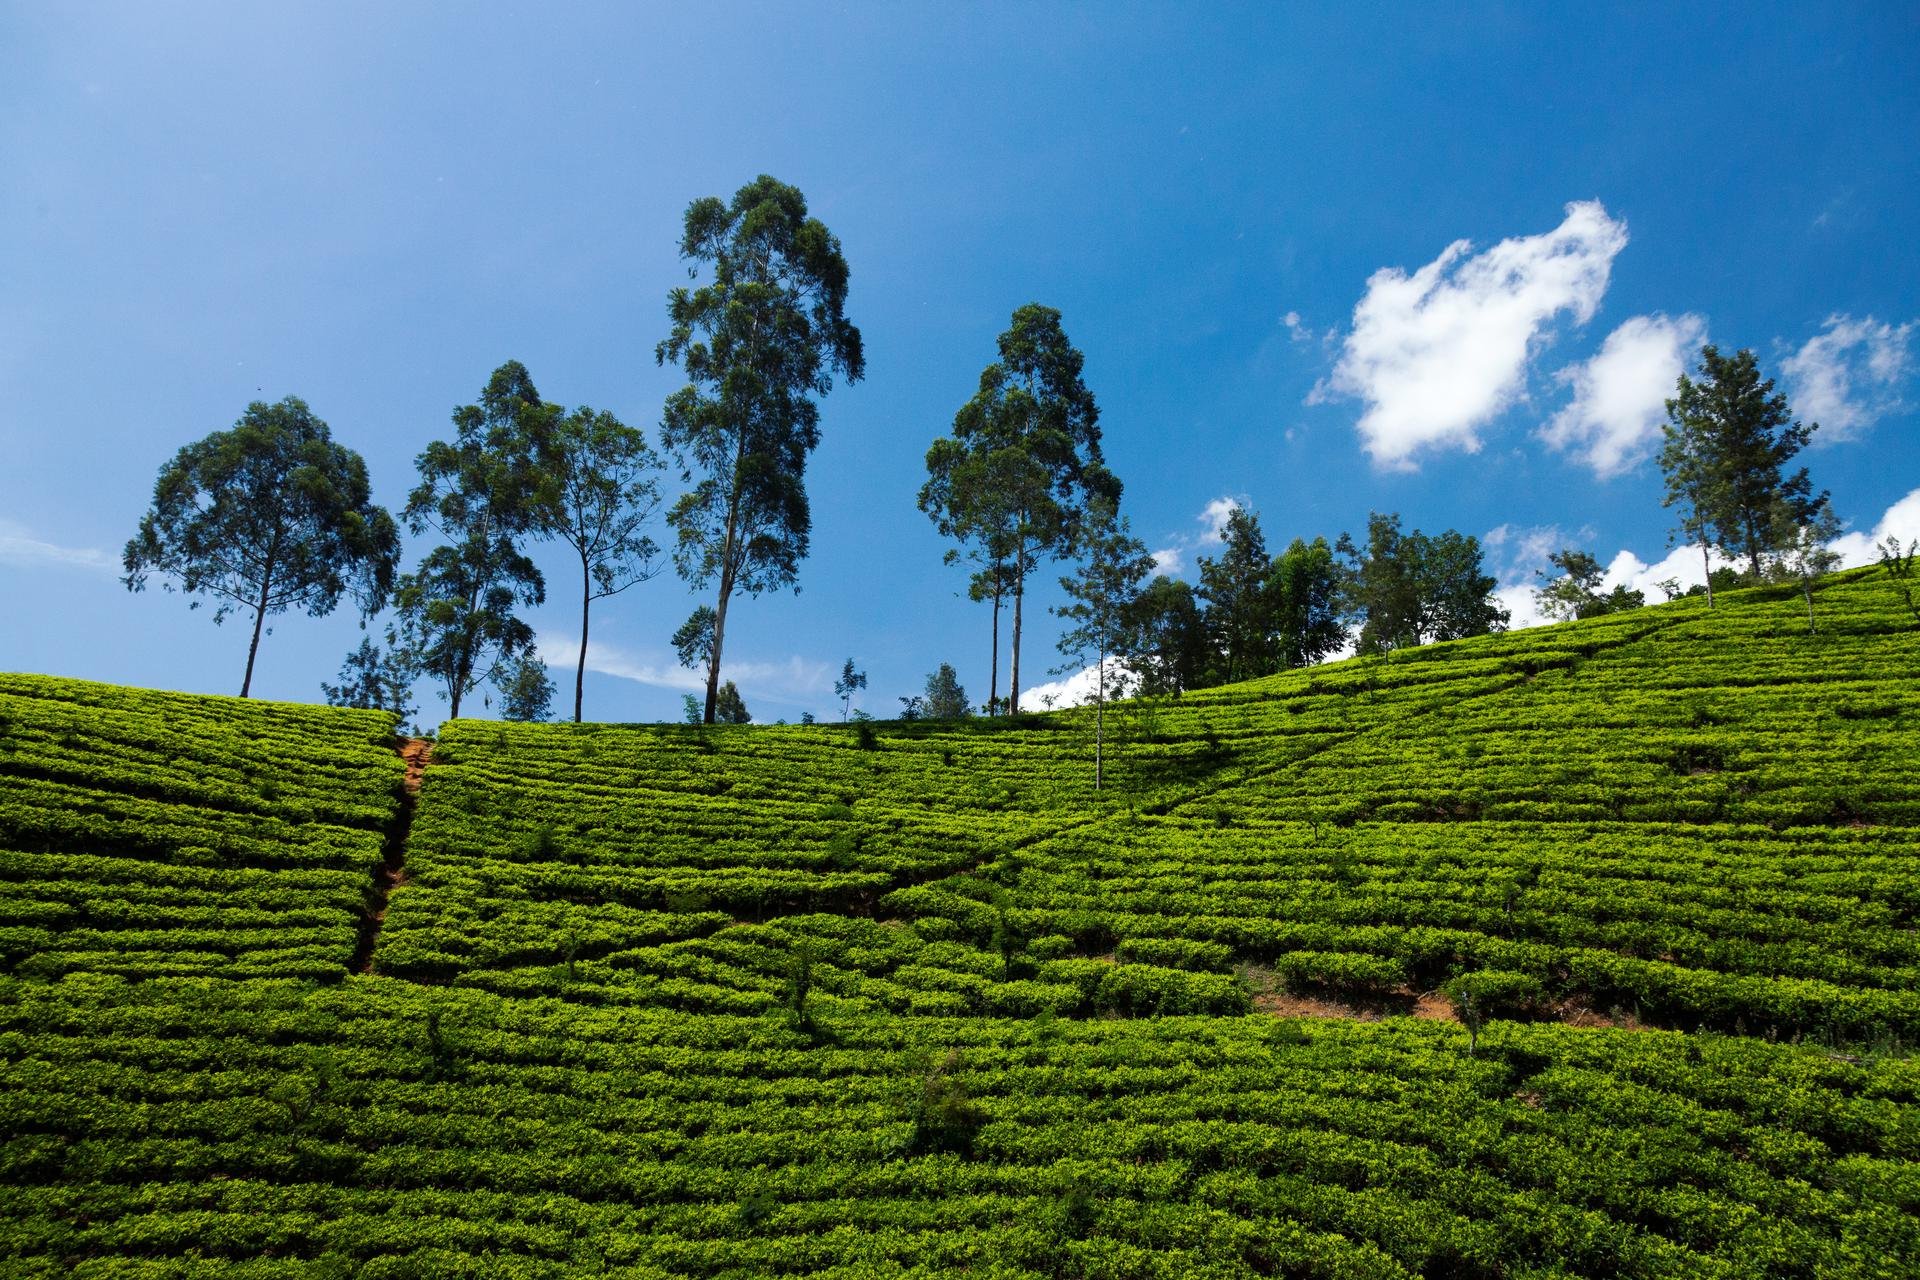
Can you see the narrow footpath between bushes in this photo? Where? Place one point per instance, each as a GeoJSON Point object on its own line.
{"type": "Point", "coordinates": [391, 873]}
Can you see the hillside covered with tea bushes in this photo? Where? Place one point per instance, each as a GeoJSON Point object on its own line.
{"type": "Point", "coordinates": [1580, 951]}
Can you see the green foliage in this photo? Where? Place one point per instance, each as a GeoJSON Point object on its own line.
{"type": "Point", "coordinates": [849, 682]}
{"type": "Point", "coordinates": [945, 1117]}
{"type": "Point", "coordinates": [1574, 593]}
{"type": "Point", "coordinates": [268, 516]}
{"type": "Point", "coordinates": [760, 338]}
{"type": "Point", "coordinates": [693, 642]}
{"type": "Point", "coordinates": [748, 1000]}
{"type": "Point", "coordinates": [1728, 437]}
{"type": "Point", "coordinates": [598, 492]}
{"type": "Point", "coordinates": [1412, 589]}
{"type": "Point", "coordinates": [1186, 1146]}
{"type": "Point", "coordinates": [526, 691]}
{"type": "Point", "coordinates": [944, 698]}
{"type": "Point", "coordinates": [1113, 564]}
{"type": "Point", "coordinates": [1024, 457]}
{"type": "Point", "coordinates": [373, 679]}
{"type": "Point", "coordinates": [457, 619]}
{"type": "Point", "coordinates": [1239, 614]}
{"type": "Point", "coordinates": [731, 708]}
{"type": "Point", "coordinates": [145, 834]}
{"type": "Point", "coordinates": [1304, 592]}
{"type": "Point", "coordinates": [1168, 638]}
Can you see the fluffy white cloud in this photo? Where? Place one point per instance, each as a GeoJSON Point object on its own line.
{"type": "Point", "coordinates": [1902, 521]}
{"type": "Point", "coordinates": [1620, 395]}
{"type": "Point", "coordinates": [1439, 353]}
{"type": "Point", "coordinates": [1849, 375]}
{"type": "Point", "coordinates": [1075, 689]}
{"type": "Point", "coordinates": [22, 550]}
{"type": "Point", "coordinates": [1172, 558]}
{"type": "Point", "coordinates": [1215, 516]}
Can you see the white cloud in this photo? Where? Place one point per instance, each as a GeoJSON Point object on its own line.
{"type": "Point", "coordinates": [1522, 609]}
{"type": "Point", "coordinates": [1902, 521]}
{"type": "Point", "coordinates": [1075, 689]}
{"type": "Point", "coordinates": [1522, 548]}
{"type": "Point", "coordinates": [1439, 353]}
{"type": "Point", "coordinates": [20, 549]}
{"type": "Point", "coordinates": [1620, 395]}
{"type": "Point", "coordinates": [1297, 327]}
{"type": "Point", "coordinates": [1682, 565]}
{"type": "Point", "coordinates": [1172, 558]}
{"type": "Point", "coordinates": [1849, 375]}
{"type": "Point", "coordinates": [795, 679]}
{"type": "Point", "coordinates": [1215, 516]}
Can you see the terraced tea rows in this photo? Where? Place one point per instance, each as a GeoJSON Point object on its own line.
{"type": "Point", "coordinates": [148, 833]}
{"type": "Point", "coordinates": [536, 845]}
{"type": "Point", "coordinates": [794, 1001]}
{"type": "Point", "coordinates": [382, 1129]}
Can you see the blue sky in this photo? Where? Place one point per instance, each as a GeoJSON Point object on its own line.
{"type": "Point", "coordinates": [1319, 263]}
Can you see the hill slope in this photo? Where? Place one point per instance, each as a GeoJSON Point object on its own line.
{"type": "Point", "coordinates": [779, 1001]}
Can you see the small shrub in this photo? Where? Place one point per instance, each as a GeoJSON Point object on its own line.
{"type": "Point", "coordinates": [946, 1117]}
{"type": "Point", "coordinates": [1177, 953]}
{"type": "Point", "coordinates": [1492, 993]}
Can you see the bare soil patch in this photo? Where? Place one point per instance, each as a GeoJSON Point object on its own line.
{"type": "Point", "coordinates": [391, 873]}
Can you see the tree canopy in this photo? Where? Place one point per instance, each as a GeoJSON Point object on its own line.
{"type": "Point", "coordinates": [759, 340]}
{"type": "Point", "coordinates": [597, 491]}
{"type": "Point", "coordinates": [1113, 564]}
{"type": "Point", "coordinates": [268, 516]}
{"type": "Point", "coordinates": [945, 698]}
{"type": "Point", "coordinates": [1727, 440]}
{"type": "Point", "coordinates": [1233, 584]}
{"type": "Point", "coordinates": [458, 610]}
{"type": "Point", "coordinates": [1168, 646]}
{"type": "Point", "coordinates": [1576, 591]}
{"type": "Point", "coordinates": [1013, 479]}
{"type": "Point", "coordinates": [1303, 592]}
{"type": "Point", "coordinates": [1412, 588]}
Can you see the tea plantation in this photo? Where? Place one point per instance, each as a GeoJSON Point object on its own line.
{"type": "Point", "coordinates": [1612, 925]}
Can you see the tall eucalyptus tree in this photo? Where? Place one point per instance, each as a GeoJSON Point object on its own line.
{"type": "Point", "coordinates": [1024, 458]}
{"type": "Point", "coordinates": [760, 338]}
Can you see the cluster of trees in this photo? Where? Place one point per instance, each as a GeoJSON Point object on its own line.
{"type": "Point", "coordinates": [273, 515]}
{"type": "Point", "coordinates": [1728, 439]}
{"type": "Point", "coordinates": [1727, 443]}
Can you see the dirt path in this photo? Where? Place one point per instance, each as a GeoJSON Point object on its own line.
{"type": "Point", "coordinates": [1429, 1005]}
{"type": "Point", "coordinates": [392, 873]}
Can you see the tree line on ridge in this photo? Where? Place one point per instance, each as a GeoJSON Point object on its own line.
{"type": "Point", "coordinates": [273, 515]}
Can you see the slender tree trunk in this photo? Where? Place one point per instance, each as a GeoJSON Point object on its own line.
{"type": "Point", "coordinates": [1013, 678]}
{"type": "Point", "coordinates": [259, 620]}
{"type": "Point", "coordinates": [1753, 549]}
{"type": "Point", "coordinates": [993, 677]}
{"type": "Point", "coordinates": [1706, 562]}
{"type": "Point", "coordinates": [580, 670]}
{"type": "Point", "coordinates": [1806, 589]}
{"type": "Point", "coordinates": [1099, 719]}
{"type": "Point", "coordinates": [719, 633]}
{"type": "Point", "coordinates": [464, 660]}
{"type": "Point", "coordinates": [727, 569]}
